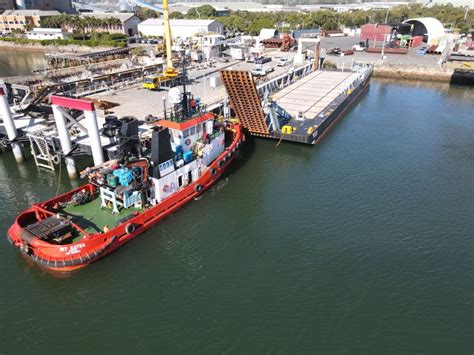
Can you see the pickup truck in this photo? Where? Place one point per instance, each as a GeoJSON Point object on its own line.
{"type": "Point", "coordinates": [282, 62]}
{"type": "Point", "coordinates": [262, 60]}
{"type": "Point", "coordinates": [358, 48]}
{"type": "Point", "coordinates": [261, 71]}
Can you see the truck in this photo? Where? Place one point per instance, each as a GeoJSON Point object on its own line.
{"type": "Point", "coordinates": [259, 70]}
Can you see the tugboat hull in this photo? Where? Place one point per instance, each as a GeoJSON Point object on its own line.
{"type": "Point", "coordinates": [92, 247]}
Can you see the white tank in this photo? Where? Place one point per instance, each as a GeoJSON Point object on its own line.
{"type": "Point", "coordinates": [124, 6]}
{"type": "Point", "coordinates": [174, 96]}
{"type": "Point", "coordinates": [20, 4]}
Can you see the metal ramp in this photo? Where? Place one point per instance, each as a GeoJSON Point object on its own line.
{"type": "Point", "coordinates": [41, 152]}
{"type": "Point", "coordinates": [245, 101]}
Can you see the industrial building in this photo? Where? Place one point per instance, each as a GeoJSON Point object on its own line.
{"type": "Point", "coordinates": [45, 5]}
{"type": "Point", "coordinates": [7, 5]}
{"type": "Point", "coordinates": [23, 20]}
{"type": "Point", "coordinates": [430, 28]}
{"type": "Point", "coordinates": [181, 28]}
{"type": "Point", "coordinates": [417, 30]}
{"type": "Point", "coordinates": [47, 33]}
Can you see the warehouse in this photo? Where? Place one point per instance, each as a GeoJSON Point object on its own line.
{"type": "Point", "coordinates": [180, 28]}
{"type": "Point", "coordinates": [428, 27]}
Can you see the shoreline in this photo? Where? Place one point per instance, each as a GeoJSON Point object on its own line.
{"type": "Point", "coordinates": [414, 73]}
{"type": "Point", "coordinates": [70, 48]}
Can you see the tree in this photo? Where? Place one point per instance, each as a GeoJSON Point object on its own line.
{"type": "Point", "coordinates": [257, 25]}
{"type": "Point", "coordinates": [176, 15]}
{"type": "Point", "coordinates": [203, 11]}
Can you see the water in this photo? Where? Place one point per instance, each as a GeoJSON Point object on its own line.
{"type": "Point", "coordinates": [19, 62]}
{"type": "Point", "coordinates": [362, 244]}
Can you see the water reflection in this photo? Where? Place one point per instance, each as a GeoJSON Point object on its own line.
{"type": "Point", "coordinates": [17, 62]}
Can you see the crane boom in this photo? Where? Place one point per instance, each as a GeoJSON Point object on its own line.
{"type": "Point", "coordinates": [168, 39]}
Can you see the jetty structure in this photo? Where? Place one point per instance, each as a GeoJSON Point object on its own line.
{"type": "Point", "coordinates": [70, 118]}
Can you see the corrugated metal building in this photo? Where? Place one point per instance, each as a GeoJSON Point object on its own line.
{"type": "Point", "coordinates": [180, 28]}
{"type": "Point", "coordinates": [375, 32]}
{"type": "Point", "coordinates": [430, 28]}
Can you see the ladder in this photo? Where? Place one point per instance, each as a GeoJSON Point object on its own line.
{"type": "Point", "coordinates": [41, 152]}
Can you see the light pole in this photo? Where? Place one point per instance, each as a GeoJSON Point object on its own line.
{"type": "Point", "coordinates": [384, 36]}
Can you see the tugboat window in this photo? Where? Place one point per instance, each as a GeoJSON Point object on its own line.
{"type": "Point", "coordinates": [192, 130]}
{"type": "Point", "coordinates": [185, 133]}
{"type": "Point", "coordinates": [180, 180]}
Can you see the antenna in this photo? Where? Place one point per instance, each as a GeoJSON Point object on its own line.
{"type": "Point", "coordinates": [185, 96]}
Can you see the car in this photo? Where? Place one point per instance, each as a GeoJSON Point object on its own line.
{"type": "Point", "coordinates": [421, 51]}
{"type": "Point", "coordinates": [282, 62]}
{"type": "Point", "coordinates": [335, 51]}
{"type": "Point", "coordinates": [358, 48]}
{"type": "Point", "coordinates": [262, 60]}
{"type": "Point", "coordinates": [259, 70]}
{"type": "Point", "coordinates": [223, 59]}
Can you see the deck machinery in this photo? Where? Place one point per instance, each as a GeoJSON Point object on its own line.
{"type": "Point", "coordinates": [300, 112]}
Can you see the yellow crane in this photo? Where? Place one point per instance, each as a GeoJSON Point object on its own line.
{"type": "Point", "coordinates": [169, 72]}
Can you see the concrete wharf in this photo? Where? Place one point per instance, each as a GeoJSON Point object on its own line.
{"type": "Point", "coordinates": [295, 105]}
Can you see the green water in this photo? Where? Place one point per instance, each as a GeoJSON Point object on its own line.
{"type": "Point", "coordinates": [360, 245]}
{"type": "Point", "coordinates": [19, 62]}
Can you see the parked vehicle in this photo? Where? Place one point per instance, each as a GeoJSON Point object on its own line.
{"type": "Point", "coordinates": [282, 62]}
{"type": "Point", "coordinates": [259, 70]}
{"type": "Point", "coordinates": [358, 48]}
{"type": "Point", "coordinates": [262, 60]}
{"type": "Point", "coordinates": [421, 51]}
{"type": "Point", "coordinates": [335, 51]}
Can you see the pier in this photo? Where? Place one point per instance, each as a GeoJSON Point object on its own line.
{"type": "Point", "coordinates": [294, 105]}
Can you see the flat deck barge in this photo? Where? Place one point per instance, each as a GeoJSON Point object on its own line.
{"type": "Point", "coordinates": [300, 111]}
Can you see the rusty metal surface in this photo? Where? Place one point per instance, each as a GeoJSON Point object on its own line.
{"type": "Point", "coordinates": [245, 101]}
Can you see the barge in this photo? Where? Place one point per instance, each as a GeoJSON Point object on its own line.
{"type": "Point", "coordinates": [301, 112]}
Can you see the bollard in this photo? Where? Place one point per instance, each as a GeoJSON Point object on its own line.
{"type": "Point", "coordinates": [65, 140]}
{"type": "Point", "coordinates": [10, 126]}
{"type": "Point", "coordinates": [93, 130]}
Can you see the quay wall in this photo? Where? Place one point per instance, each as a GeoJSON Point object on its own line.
{"type": "Point", "coordinates": [413, 73]}
{"type": "Point", "coordinates": [70, 48]}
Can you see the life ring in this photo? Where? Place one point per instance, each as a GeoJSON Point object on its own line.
{"type": "Point", "coordinates": [220, 163]}
{"type": "Point", "coordinates": [197, 188]}
{"type": "Point", "coordinates": [213, 171]}
{"type": "Point", "coordinates": [187, 141]}
{"type": "Point", "coordinates": [166, 188]}
{"type": "Point", "coordinates": [55, 159]}
{"type": "Point", "coordinates": [130, 228]}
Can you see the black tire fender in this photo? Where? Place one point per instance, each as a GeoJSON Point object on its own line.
{"type": "Point", "coordinates": [130, 228]}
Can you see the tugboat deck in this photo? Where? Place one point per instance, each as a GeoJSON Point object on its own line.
{"type": "Point", "coordinates": [92, 218]}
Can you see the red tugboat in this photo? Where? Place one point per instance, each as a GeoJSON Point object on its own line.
{"type": "Point", "coordinates": [187, 153]}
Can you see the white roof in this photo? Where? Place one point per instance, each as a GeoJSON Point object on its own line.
{"type": "Point", "coordinates": [266, 33]}
{"type": "Point", "coordinates": [122, 16]}
{"type": "Point", "coordinates": [30, 13]}
{"type": "Point", "coordinates": [173, 23]}
{"type": "Point", "coordinates": [231, 5]}
{"type": "Point", "coordinates": [434, 28]}
{"type": "Point", "coordinates": [46, 30]}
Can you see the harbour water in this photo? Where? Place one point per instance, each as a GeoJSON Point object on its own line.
{"type": "Point", "coordinates": [362, 244]}
{"type": "Point", "coordinates": [19, 62]}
